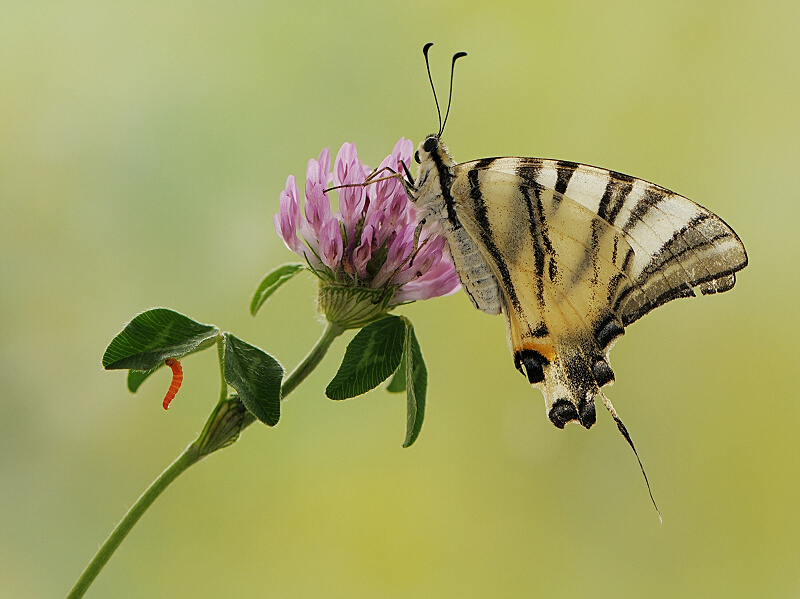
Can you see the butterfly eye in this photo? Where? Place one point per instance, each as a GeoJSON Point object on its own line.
{"type": "Point", "coordinates": [416, 157]}
{"type": "Point", "coordinates": [429, 144]}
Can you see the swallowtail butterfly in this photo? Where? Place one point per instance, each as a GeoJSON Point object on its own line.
{"type": "Point", "coordinates": [571, 254]}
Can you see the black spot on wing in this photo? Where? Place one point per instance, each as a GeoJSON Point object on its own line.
{"type": "Point", "coordinates": [540, 331]}
{"type": "Point", "coordinates": [587, 413]}
{"type": "Point", "coordinates": [552, 270]}
{"type": "Point", "coordinates": [545, 237]}
{"type": "Point", "coordinates": [602, 372]}
{"type": "Point", "coordinates": [594, 249]}
{"type": "Point", "coordinates": [613, 284]}
{"type": "Point", "coordinates": [484, 163]}
{"type": "Point", "coordinates": [607, 331]}
{"type": "Point", "coordinates": [627, 260]}
{"type": "Point", "coordinates": [529, 171]}
{"type": "Point", "coordinates": [563, 411]}
{"type": "Point", "coordinates": [626, 179]}
{"type": "Point", "coordinates": [534, 364]}
{"type": "Point", "coordinates": [487, 236]}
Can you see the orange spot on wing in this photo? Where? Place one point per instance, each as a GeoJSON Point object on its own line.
{"type": "Point", "coordinates": [545, 349]}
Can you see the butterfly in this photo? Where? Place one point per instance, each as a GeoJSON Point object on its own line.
{"type": "Point", "coordinates": [571, 254]}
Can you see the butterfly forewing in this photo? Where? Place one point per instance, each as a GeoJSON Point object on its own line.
{"type": "Point", "coordinates": [677, 244]}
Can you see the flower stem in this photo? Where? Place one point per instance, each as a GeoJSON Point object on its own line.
{"type": "Point", "coordinates": [310, 362]}
{"type": "Point", "coordinates": [193, 454]}
{"type": "Point", "coordinates": [186, 459]}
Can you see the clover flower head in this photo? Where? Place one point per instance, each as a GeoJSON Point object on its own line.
{"type": "Point", "coordinates": [364, 254]}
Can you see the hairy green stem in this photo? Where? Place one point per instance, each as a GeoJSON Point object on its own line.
{"type": "Point", "coordinates": [311, 361]}
{"type": "Point", "coordinates": [195, 452]}
{"type": "Point", "coordinates": [186, 459]}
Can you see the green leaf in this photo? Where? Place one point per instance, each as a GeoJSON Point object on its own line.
{"type": "Point", "coordinates": [398, 382]}
{"type": "Point", "coordinates": [271, 283]}
{"type": "Point", "coordinates": [137, 377]}
{"type": "Point", "coordinates": [155, 335]}
{"type": "Point", "coordinates": [256, 376]}
{"type": "Point", "coordinates": [371, 357]}
{"type": "Point", "coordinates": [416, 385]}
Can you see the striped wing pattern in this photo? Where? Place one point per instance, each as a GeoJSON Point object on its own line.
{"type": "Point", "coordinates": [575, 253]}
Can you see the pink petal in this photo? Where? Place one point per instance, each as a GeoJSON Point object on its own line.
{"type": "Point", "coordinates": [363, 253]}
{"type": "Point", "coordinates": [402, 151]}
{"type": "Point", "coordinates": [325, 165]}
{"type": "Point", "coordinates": [318, 206]}
{"type": "Point", "coordinates": [427, 258]}
{"type": "Point", "coordinates": [442, 280]}
{"type": "Point", "coordinates": [400, 244]}
{"type": "Point", "coordinates": [330, 244]}
{"type": "Point", "coordinates": [288, 214]}
{"type": "Point", "coordinates": [346, 161]}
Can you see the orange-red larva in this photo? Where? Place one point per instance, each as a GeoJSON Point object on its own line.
{"type": "Point", "coordinates": [177, 379]}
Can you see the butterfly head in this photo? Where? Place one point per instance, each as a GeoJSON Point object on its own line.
{"type": "Point", "coordinates": [433, 152]}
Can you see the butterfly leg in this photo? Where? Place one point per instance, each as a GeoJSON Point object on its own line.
{"type": "Point", "coordinates": [372, 178]}
{"type": "Point", "coordinates": [417, 233]}
{"type": "Point", "coordinates": [409, 178]}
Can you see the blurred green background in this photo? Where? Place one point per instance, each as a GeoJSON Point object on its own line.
{"type": "Point", "coordinates": [144, 146]}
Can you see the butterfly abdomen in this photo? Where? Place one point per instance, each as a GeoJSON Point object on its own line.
{"type": "Point", "coordinates": [476, 276]}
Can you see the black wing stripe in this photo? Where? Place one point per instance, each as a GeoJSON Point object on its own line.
{"type": "Point", "coordinates": [487, 237]}
{"type": "Point", "coordinates": [565, 171]}
{"type": "Point", "coordinates": [649, 200]}
{"type": "Point", "coordinates": [633, 315]}
{"type": "Point", "coordinates": [536, 236]}
{"type": "Point", "coordinates": [677, 247]}
{"type": "Point", "coordinates": [618, 188]}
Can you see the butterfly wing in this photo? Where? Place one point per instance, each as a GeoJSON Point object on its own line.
{"type": "Point", "coordinates": [579, 253]}
{"type": "Point", "coordinates": [678, 245]}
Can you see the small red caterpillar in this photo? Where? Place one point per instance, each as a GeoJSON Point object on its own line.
{"type": "Point", "coordinates": [177, 379]}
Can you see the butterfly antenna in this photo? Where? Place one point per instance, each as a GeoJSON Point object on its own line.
{"type": "Point", "coordinates": [624, 431]}
{"type": "Point", "coordinates": [456, 56]}
{"type": "Point", "coordinates": [425, 49]}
